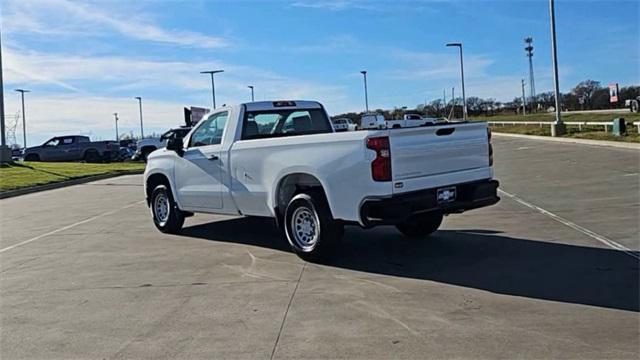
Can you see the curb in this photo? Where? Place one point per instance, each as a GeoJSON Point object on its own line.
{"type": "Point", "coordinates": [60, 184]}
{"type": "Point", "coordinates": [605, 143]}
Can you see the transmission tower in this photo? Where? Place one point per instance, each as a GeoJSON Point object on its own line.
{"type": "Point", "coordinates": [532, 84]}
{"type": "Point", "coordinates": [10, 128]}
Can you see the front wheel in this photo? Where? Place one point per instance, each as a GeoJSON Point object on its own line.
{"type": "Point", "coordinates": [167, 217]}
{"type": "Point", "coordinates": [310, 229]}
{"type": "Point", "coordinates": [420, 226]}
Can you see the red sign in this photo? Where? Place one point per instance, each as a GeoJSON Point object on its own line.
{"type": "Point", "coordinates": [613, 93]}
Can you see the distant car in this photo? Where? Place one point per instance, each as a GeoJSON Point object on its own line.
{"type": "Point", "coordinates": [344, 124]}
{"type": "Point", "coordinates": [73, 148]}
{"type": "Point", "coordinates": [373, 121]}
{"type": "Point", "coordinates": [149, 145]}
{"type": "Point", "coordinates": [16, 154]}
{"type": "Point", "coordinates": [411, 120]}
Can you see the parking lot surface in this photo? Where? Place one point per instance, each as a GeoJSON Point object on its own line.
{"type": "Point", "coordinates": [550, 272]}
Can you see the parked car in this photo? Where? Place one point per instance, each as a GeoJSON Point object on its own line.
{"type": "Point", "coordinates": [73, 148]}
{"type": "Point", "coordinates": [344, 124]}
{"type": "Point", "coordinates": [282, 160]}
{"type": "Point", "coordinates": [373, 121]}
{"type": "Point", "coordinates": [146, 146]}
{"type": "Point", "coordinates": [410, 120]}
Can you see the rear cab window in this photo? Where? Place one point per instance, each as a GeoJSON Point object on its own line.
{"type": "Point", "coordinates": [261, 124]}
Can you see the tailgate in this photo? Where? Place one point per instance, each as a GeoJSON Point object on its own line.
{"type": "Point", "coordinates": [437, 150]}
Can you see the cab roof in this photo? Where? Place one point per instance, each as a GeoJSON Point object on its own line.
{"type": "Point", "coordinates": [282, 104]}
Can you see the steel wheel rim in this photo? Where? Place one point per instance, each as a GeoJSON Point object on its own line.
{"type": "Point", "coordinates": [305, 228]}
{"type": "Point", "coordinates": [161, 208]}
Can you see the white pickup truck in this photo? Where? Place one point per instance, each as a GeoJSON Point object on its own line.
{"type": "Point", "coordinates": [283, 160]}
{"type": "Point", "coordinates": [411, 120]}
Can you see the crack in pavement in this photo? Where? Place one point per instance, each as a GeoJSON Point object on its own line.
{"type": "Point", "coordinates": [284, 318]}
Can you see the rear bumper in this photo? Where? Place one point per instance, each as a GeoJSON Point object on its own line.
{"type": "Point", "coordinates": [397, 208]}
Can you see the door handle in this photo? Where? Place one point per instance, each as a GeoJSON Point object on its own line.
{"type": "Point", "coordinates": [212, 157]}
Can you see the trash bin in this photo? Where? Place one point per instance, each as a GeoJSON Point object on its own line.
{"type": "Point", "coordinates": [619, 127]}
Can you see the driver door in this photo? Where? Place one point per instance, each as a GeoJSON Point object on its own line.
{"type": "Point", "coordinates": [199, 172]}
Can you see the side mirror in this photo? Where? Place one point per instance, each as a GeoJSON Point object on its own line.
{"type": "Point", "coordinates": [176, 144]}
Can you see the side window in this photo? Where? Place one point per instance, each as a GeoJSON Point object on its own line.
{"type": "Point", "coordinates": [210, 131]}
{"type": "Point", "coordinates": [67, 141]}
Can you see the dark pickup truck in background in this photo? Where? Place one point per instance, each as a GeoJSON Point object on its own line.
{"type": "Point", "coordinates": [73, 148]}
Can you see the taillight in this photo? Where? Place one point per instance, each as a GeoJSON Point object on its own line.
{"type": "Point", "coordinates": [381, 165]}
{"type": "Point", "coordinates": [490, 147]}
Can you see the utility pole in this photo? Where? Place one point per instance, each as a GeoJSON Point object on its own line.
{"type": "Point", "coordinates": [524, 101]}
{"type": "Point", "coordinates": [532, 86]}
{"type": "Point", "coordinates": [453, 101]}
{"type": "Point", "coordinates": [366, 95]}
{"type": "Point", "coordinates": [117, 134]}
{"type": "Point", "coordinates": [251, 87]}
{"type": "Point", "coordinates": [24, 118]}
{"type": "Point", "coordinates": [141, 126]}
{"type": "Point", "coordinates": [444, 99]}
{"type": "Point", "coordinates": [464, 98]}
{"type": "Point", "coordinates": [558, 128]}
{"type": "Point", "coordinates": [213, 85]}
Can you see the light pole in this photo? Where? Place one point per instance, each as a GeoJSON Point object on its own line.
{"type": "Point", "coordinates": [366, 95]}
{"type": "Point", "coordinates": [115, 115]}
{"type": "Point", "coordinates": [251, 87]}
{"type": "Point", "coordinates": [140, 107]}
{"type": "Point", "coordinates": [24, 118]}
{"type": "Point", "coordinates": [5, 153]}
{"type": "Point", "coordinates": [213, 85]}
{"type": "Point", "coordinates": [558, 127]}
{"type": "Point", "coordinates": [464, 98]}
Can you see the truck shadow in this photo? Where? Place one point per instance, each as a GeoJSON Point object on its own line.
{"type": "Point", "coordinates": [478, 259]}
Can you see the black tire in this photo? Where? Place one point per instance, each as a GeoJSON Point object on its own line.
{"type": "Point", "coordinates": [305, 214]}
{"type": "Point", "coordinates": [91, 156]}
{"type": "Point", "coordinates": [172, 221]}
{"type": "Point", "coordinates": [420, 226]}
{"type": "Point", "coordinates": [32, 157]}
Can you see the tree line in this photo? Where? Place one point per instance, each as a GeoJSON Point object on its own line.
{"type": "Point", "coordinates": [586, 95]}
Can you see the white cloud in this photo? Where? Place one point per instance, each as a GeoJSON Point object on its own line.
{"type": "Point", "coordinates": [47, 17]}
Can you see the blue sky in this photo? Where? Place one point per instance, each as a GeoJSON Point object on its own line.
{"type": "Point", "coordinates": [85, 60]}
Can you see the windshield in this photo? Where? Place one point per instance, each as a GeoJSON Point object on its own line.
{"type": "Point", "coordinates": [291, 122]}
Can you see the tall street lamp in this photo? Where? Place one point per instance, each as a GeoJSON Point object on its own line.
{"type": "Point", "coordinates": [140, 107]}
{"type": "Point", "coordinates": [464, 98]}
{"type": "Point", "coordinates": [251, 87]}
{"type": "Point", "coordinates": [558, 127]}
{"type": "Point", "coordinates": [24, 118]}
{"type": "Point", "coordinates": [366, 95]}
{"type": "Point", "coordinates": [213, 85]}
{"type": "Point", "coordinates": [5, 153]}
{"type": "Point", "coordinates": [115, 115]}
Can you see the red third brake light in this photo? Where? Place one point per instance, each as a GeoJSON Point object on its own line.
{"type": "Point", "coordinates": [381, 165]}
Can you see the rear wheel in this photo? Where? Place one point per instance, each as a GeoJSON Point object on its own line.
{"type": "Point", "coordinates": [167, 217]}
{"type": "Point", "coordinates": [420, 226]}
{"type": "Point", "coordinates": [310, 229]}
{"type": "Point", "coordinates": [32, 157]}
{"type": "Point", "coordinates": [91, 156]}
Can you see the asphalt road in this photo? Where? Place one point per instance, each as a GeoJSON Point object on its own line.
{"type": "Point", "coordinates": [549, 272]}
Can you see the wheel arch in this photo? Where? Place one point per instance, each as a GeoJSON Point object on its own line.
{"type": "Point", "coordinates": [291, 184]}
{"type": "Point", "coordinates": [158, 178]}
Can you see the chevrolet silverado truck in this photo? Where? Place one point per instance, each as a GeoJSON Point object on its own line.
{"type": "Point", "coordinates": [284, 160]}
{"type": "Point", "coordinates": [73, 148]}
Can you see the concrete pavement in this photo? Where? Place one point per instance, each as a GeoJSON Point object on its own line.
{"type": "Point", "coordinates": [84, 274]}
